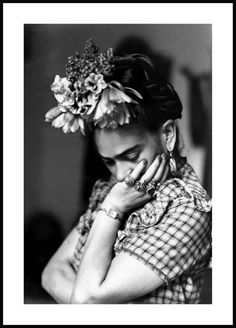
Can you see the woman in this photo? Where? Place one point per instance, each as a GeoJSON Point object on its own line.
{"type": "Point", "coordinates": [146, 236]}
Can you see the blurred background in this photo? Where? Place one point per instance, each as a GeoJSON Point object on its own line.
{"type": "Point", "coordinates": [59, 168]}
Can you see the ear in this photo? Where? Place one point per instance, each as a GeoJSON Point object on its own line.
{"type": "Point", "coordinates": [169, 135]}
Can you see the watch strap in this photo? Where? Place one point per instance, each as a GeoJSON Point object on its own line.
{"type": "Point", "coordinates": [111, 213]}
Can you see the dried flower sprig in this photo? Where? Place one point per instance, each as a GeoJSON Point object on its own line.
{"type": "Point", "coordinates": [80, 66]}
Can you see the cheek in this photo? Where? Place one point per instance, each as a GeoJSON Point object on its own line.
{"type": "Point", "coordinates": [151, 152]}
{"type": "Point", "coordinates": [150, 155]}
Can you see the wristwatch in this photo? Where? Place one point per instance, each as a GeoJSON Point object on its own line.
{"type": "Point", "coordinates": [111, 213]}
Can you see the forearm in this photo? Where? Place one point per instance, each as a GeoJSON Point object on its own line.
{"type": "Point", "coordinates": [58, 281]}
{"type": "Point", "coordinates": [96, 260]}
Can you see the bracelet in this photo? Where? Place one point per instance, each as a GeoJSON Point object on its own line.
{"type": "Point", "coordinates": [111, 213]}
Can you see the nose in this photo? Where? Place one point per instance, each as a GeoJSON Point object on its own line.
{"type": "Point", "coordinates": [122, 169]}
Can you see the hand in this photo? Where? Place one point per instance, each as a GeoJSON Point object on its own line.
{"type": "Point", "coordinates": [124, 198]}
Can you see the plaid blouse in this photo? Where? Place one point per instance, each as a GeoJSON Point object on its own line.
{"type": "Point", "coordinates": [171, 235]}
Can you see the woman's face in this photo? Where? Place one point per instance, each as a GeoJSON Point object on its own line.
{"type": "Point", "coordinates": [121, 149]}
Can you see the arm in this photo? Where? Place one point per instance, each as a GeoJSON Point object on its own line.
{"type": "Point", "coordinates": [179, 244]}
{"type": "Point", "coordinates": [58, 277]}
{"type": "Point", "coordinates": [102, 279]}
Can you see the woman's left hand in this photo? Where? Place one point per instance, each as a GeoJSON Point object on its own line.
{"type": "Point", "coordinates": [124, 198]}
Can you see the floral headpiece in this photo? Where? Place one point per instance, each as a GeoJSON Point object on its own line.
{"type": "Point", "coordinates": [84, 96]}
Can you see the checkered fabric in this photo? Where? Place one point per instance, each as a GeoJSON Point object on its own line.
{"type": "Point", "coordinates": [170, 234]}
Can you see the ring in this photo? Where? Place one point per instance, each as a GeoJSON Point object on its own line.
{"type": "Point", "coordinates": [140, 186]}
{"type": "Point", "coordinates": [152, 187]}
{"type": "Point", "coordinates": [129, 180]}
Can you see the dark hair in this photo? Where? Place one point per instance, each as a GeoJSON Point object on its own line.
{"type": "Point", "coordinates": [160, 100]}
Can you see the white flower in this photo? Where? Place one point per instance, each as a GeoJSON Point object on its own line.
{"type": "Point", "coordinates": [68, 122]}
{"type": "Point", "coordinates": [62, 92]}
{"type": "Point", "coordinates": [95, 83]}
{"type": "Point", "coordinates": [113, 103]}
{"type": "Point", "coordinates": [62, 120]}
{"type": "Point", "coordinates": [103, 106]}
{"type": "Point", "coordinates": [118, 96]}
{"type": "Point", "coordinates": [76, 124]}
{"type": "Point", "coordinates": [60, 85]}
{"type": "Point", "coordinates": [120, 115]}
{"type": "Point", "coordinates": [66, 100]}
{"type": "Point", "coordinates": [52, 113]}
{"type": "Point", "coordinates": [73, 125]}
{"type": "Point", "coordinates": [92, 101]}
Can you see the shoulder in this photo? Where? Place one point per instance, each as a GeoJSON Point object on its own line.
{"type": "Point", "coordinates": [186, 188]}
{"type": "Point", "coordinates": [177, 198]}
{"type": "Point", "coordinates": [99, 191]}
{"type": "Point", "coordinates": [99, 185]}
{"type": "Point", "coordinates": [193, 185]}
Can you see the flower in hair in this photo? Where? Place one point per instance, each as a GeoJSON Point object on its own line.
{"type": "Point", "coordinates": [112, 109]}
{"type": "Point", "coordinates": [62, 92]}
{"type": "Point", "coordinates": [84, 96]}
{"type": "Point", "coordinates": [95, 83]}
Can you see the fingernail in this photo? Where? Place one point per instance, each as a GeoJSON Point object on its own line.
{"type": "Point", "coordinates": [163, 156]}
{"type": "Point", "coordinates": [144, 161]}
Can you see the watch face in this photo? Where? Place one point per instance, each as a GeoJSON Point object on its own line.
{"type": "Point", "coordinates": [112, 213]}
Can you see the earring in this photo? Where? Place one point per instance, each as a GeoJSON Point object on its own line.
{"type": "Point", "coordinates": [173, 165]}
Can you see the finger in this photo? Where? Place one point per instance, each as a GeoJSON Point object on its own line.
{"type": "Point", "coordinates": [165, 174]}
{"type": "Point", "coordinates": [161, 170]}
{"type": "Point", "coordinates": [151, 171]}
{"type": "Point", "coordinates": [138, 169]}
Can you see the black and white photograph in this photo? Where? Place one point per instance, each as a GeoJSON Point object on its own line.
{"type": "Point", "coordinates": [117, 153]}
{"type": "Point", "coordinates": [117, 205]}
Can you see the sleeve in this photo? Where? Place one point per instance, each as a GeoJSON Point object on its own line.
{"type": "Point", "coordinates": [98, 193]}
{"type": "Point", "coordinates": [172, 246]}
{"type": "Point", "coordinates": [85, 222]}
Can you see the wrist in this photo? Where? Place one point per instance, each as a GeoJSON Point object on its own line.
{"type": "Point", "coordinates": [108, 202]}
{"type": "Point", "coordinates": [112, 210]}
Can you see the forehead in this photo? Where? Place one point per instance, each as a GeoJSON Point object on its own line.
{"type": "Point", "coordinates": [110, 142]}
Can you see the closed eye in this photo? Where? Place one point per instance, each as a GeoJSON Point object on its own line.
{"type": "Point", "coordinates": [108, 162]}
{"type": "Point", "coordinates": [131, 157]}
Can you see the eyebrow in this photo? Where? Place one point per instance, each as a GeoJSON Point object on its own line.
{"type": "Point", "coordinates": [125, 152]}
